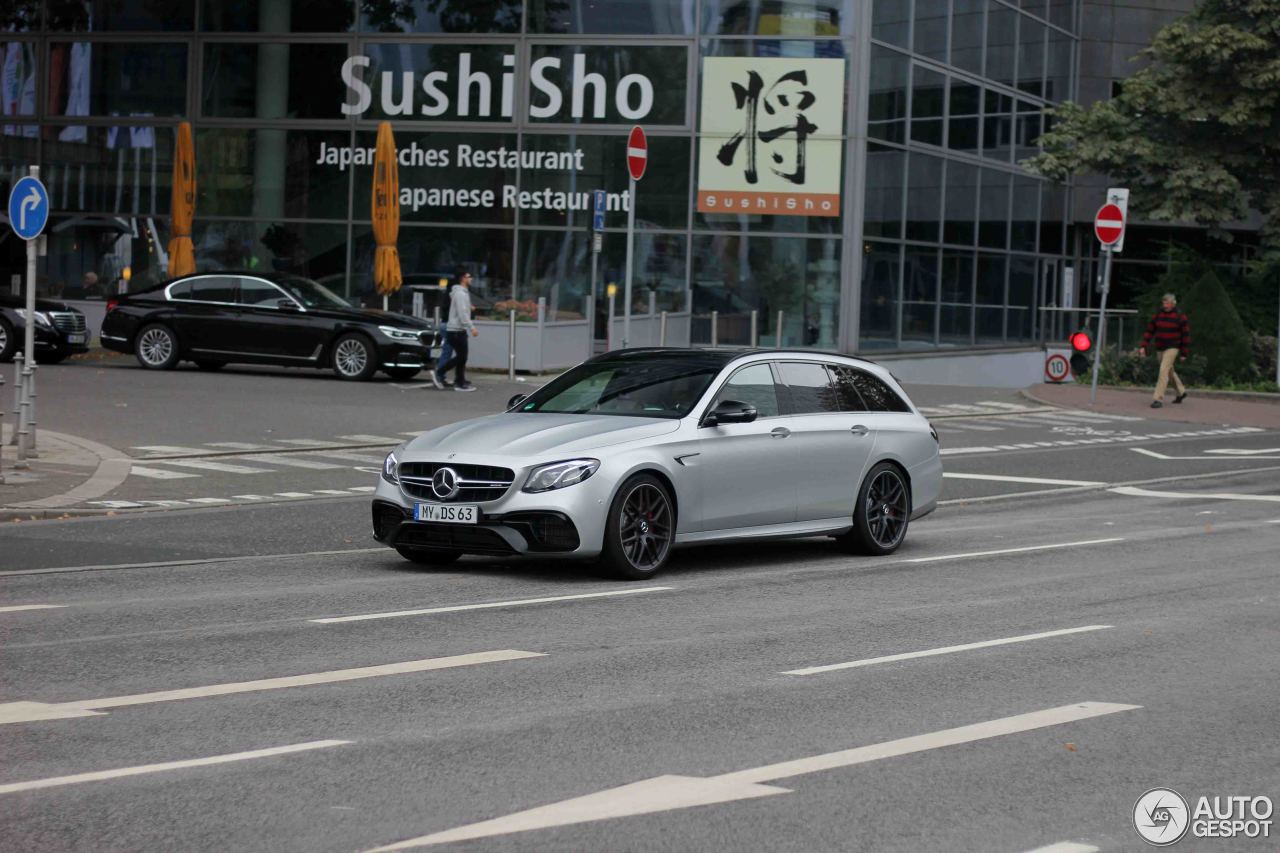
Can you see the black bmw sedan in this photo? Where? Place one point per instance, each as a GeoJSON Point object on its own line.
{"type": "Point", "coordinates": [217, 318]}
{"type": "Point", "coordinates": [60, 329]}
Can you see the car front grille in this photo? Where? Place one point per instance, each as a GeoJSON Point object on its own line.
{"type": "Point", "coordinates": [385, 518]}
{"type": "Point", "coordinates": [544, 531]}
{"type": "Point", "coordinates": [71, 322]}
{"type": "Point", "coordinates": [460, 537]}
{"type": "Point", "coordinates": [479, 483]}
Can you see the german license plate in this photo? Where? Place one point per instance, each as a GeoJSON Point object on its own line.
{"type": "Point", "coordinates": [75, 339]}
{"type": "Point", "coordinates": [448, 514]}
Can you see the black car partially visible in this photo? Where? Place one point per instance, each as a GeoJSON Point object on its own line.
{"type": "Point", "coordinates": [249, 317]}
{"type": "Point", "coordinates": [60, 329]}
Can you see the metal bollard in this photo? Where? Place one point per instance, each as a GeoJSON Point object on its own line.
{"type": "Point", "coordinates": [715, 328]}
{"type": "Point", "coordinates": [24, 411]}
{"type": "Point", "coordinates": [511, 347]}
{"type": "Point", "coordinates": [591, 324]}
{"type": "Point", "coordinates": [1, 434]}
{"type": "Point", "coordinates": [17, 396]}
{"type": "Point", "coordinates": [31, 412]}
{"type": "Point", "coordinates": [755, 328]}
{"type": "Point", "coordinates": [662, 330]}
{"type": "Point", "coordinates": [777, 332]}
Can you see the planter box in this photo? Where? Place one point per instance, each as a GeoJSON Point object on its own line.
{"type": "Point", "coordinates": [540, 346]}
{"type": "Point", "coordinates": [646, 330]}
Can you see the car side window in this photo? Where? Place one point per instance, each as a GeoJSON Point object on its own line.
{"type": "Point", "coordinates": [181, 290]}
{"type": "Point", "coordinates": [876, 394]}
{"type": "Point", "coordinates": [811, 389]}
{"type": "Point", "coordinates": [846, 390]}
{"type": "Point", "coordinates": [214, 288]}
{"type": "Point", "coordinates": [753, 385]}
{"type": "Point", "coordinates": [259, 294]}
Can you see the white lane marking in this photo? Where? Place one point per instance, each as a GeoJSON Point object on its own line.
{"type": "Point", "coordinates": [290, 462]}
{"type": "Point", "coordinates": [365, 489]}
{"type": "Point", "coordinates": [209, 501]}
{"type": "Point", "coordinates": [306, 442]}
{"type": "Point", "coordinates": [967, 427]}
{"type": "Point", "coordinates": [159, 473]}
{"type": "Point", "coordinates": [1014, 550]}
{"type": "Point", "coordinates": [16, 712]}
{"type": "Point", "coordinates": [954, 451]}
{"type": "Point", "coordinates": [352, 457]}
{"type": "Point", "coordinates": [221, 467]}
{"type": "Point", "coordinates": [370, 439]}
{"type": "Point", "coordinates": [122, 772]}
{"type": "Point", "coordinates": [1134, 491]}
{"type": "Point", "coordinates": [1001, 478]}
{"type": "Point", "coordinates": [1222, 455]}
{"type": "Point", "coordinates": [413, 434]}
{"type": "Point", "coordinates": [252, 497]}
{"type": "Point", "coordinates": [1066, 847]}
{"type": "Point", "coordinates": [252, 558]}
{"type": "Point", "coordinates": [292, 494]}
{"type": "Point", "coordinates": [342, 492]}
{"type": "Point", "coordinates": [15, 608]}
{"type": "Point", "coordinates": [242, 445]}
{"type": "Point", "coordinates": [945, 650]}
{"type": "Point", "coordinates": [668, 793]}
{"type": "Point", "coordinates": [492, 605]}
{"type": "Point", "coordinates": [169, 448]}
{"type": "Point", "coordinates": [118, 504]}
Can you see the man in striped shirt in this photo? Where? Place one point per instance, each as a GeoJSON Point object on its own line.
{"type": "Point", "coordinates": [1170, 332]}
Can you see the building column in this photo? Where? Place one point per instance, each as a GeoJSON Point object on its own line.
{"type": "Point", "coordinates": [269, 152]}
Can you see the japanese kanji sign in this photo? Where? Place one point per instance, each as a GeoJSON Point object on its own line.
{"type": "Point", "coordinates": [771, 136]}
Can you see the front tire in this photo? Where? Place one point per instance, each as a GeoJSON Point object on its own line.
{"type": "Point", "coordinates": [426, 557]}
{"type": "Point", "coordinates": [353, 358]}
{"type": "Point", "coordinates": [882, 513]}
{"type": "Point", "coordinates": [156, 347]}
{"type": "Point", "coordinates": [639, 529]}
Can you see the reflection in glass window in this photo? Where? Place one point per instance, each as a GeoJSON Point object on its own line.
{"type": "Point", "coordinates": [1026, 211]}
{"type": "Point", "coordinates": [997, 125]}
{"type": "Point", "coordinates": [1062, 13]}
{"type": "Point", "coordinates": [1053, 200]}
{"type": "Point", "coordinates": [1058, 81]}
{"type": "Point", "coordinates": [428, 254]}
{"type": "Point", "coordinates": [778, 17]}
{"type": "Point", "coordinates": [930, 33]}
{"type": "Point", "coordinates": [88, 254]}
{"type": "Point", "coordinates": [117, 78]}
{"type": "Point", "coordinates": [968, 23]}
{"type": "Point", "coordinates": [618, 85]}
{"type": "Point", "coordinates": [1031, 53]}
{"type": "Point", "coordinates": [1002, 42]}
{"type": "Point", "coordinates": [114, 16]}
{"type": "Point", "coordinates": [993, 209]}
{"type": "Point", "coordinates": [273, 80]}
{"type": "Point", "coordinates": [955, 322]}
{"type": "Point", "coordinates": [891, 22]}
{"type": "Point", "coordinates": [809, 388]}
{"type": "Point", "coordinates": [752, 385]}
{"type": "Point", "coordinates": [1022, 298]}
{"type": "Point", "coordinates": [20, 16]}
{"type": "Point", "coordinates": [625, 17]}
{"type": "Point", "coordinates": [887, 102]}
{"type": "Point", "coordinates": [871, 391]}
{"type": "Point", "coordinates": [924, 197]}
{"type": "Point", "coordinates": [434, 16]}
{"type": "Point", "coordinates": [18, 59]}
{"type": "Point", "coordinates": [881, 268]}
{"type": "Point", "coordinates": [928, 100]}
{"type": "Point", "coordinates": [270, 174]}
{"type": "Point", "coordinates": [883, 214]}
{"type": "Point", "coordinates": [126, 171]}
{"type": "Point", "coordinates": [961, 204]}
{"type": "Point", "coordinates": [919, 295]}
{"type": "Point", "coordinates": [966, 104]}
{"type": "Point", "coordinates": [281, 16]}
{"type": "Point", "coordinates": [990, 286]}
{"type": "Point", "coordinates": [259, 293]}
{"type": "Point", "coordinates": [1027, 138]}
{"type": "Point", "coordinates": [315, 250]}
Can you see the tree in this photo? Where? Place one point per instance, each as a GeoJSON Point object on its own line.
{"type": "Point", "coordinates": [1196, 133]}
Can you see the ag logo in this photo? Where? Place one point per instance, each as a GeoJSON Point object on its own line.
{"type": "Point", "coordinates": [1161, 817]}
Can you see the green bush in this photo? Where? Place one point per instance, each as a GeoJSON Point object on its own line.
{"type": "Point", "coordinates": [1129, 368]}
{"type": "Point", "coordinates": [1217, 332]}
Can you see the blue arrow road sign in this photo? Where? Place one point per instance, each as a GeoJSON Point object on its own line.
{"type": "Point", "coordinates": [597, 221]}
{"type": "Point", "coordinates": [28, 208]}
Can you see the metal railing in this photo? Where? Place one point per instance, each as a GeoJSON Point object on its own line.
{"type": "Point", "coordinates": [1122, 324]}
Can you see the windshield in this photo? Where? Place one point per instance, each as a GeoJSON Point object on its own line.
{"type": "Point", "coordinates": [310, 293]}
{"type": "Point", "coordinates": [652, 388]}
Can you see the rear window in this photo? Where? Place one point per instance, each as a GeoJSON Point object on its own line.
{"type": "Point", "coordinates": [875, 394]}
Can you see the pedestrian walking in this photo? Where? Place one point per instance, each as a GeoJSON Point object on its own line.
{"type": "Point", "coordinates": [455, 333]}
{"type": "Point", "coordinates": [1170, 332]}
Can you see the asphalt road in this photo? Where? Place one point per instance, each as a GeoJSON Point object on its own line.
{"type": "Point", "coordinates": [183, 647]}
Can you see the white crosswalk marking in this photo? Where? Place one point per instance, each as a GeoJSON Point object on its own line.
{"type": "Point", "coordinates": [160, 474]}
{"type": "Point", "coordinates": [365, 458]}
{"type": "Point", "coordinates": [241, 445]}
{"type": "Point", "coordinates": [204, 465]}
{"type": "Point", "coordinates": [291, 462]}
{"type": "Point", "coordinates": [370, 439]}
{"type": "Point", "coordinates": [306, 442]}
{"type": "Point", "coordinates": [169, 449]}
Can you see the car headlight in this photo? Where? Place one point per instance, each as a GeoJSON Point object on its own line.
{"type": "Point", "coordinates": [42, 319]}
{"type": "Point", "coordinates": [390, 466]}
{"type": "Point", "coordinates": [398, 334]}
{"type": "Point", "coordinates": [560, 474]}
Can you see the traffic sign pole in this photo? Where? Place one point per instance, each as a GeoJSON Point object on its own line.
{"type": "Point", "coordinates": [1102, 326]}
{"type": "Point", "coordinates": [626, 292]}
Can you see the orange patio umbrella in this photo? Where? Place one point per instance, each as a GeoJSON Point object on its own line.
{"type": "Point", "coordinates": [182, 256]}
{"type": "Point", "coordinates": [386, 213]}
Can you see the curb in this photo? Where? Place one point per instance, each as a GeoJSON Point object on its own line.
{"type": "Point", "coordinates": [113, 468]}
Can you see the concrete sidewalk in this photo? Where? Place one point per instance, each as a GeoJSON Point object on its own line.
{"type": "Point", "coordinates": [67, 471]}
{"type": "Point", "coordinates": [1137, 401]}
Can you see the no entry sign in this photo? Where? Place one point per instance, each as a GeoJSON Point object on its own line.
{"type": "Point", "coordinates": [637, 153]}
{"type": "Point", "coordinates": [1109, 224]}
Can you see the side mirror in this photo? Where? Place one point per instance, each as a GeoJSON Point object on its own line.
{"type": "Point", "coordinates": [287, 305]}
{"type": "Point", "coordinates": [731, 412]}
{"type": "Point", "coordinates": [515, 400]}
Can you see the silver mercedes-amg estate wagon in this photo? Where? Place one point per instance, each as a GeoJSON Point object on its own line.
{"type": "Point", "coordinates": [638, 451]}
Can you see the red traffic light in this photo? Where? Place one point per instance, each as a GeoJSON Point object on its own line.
{"type": "Point", "coordinates": [1081, 342]}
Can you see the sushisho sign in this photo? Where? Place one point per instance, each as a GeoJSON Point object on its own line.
{"type": "Point", "coordinates": [771, 136]}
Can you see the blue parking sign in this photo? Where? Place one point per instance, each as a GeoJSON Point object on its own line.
{"type": "Point", "coordinates": [598, 200]}
{"type": "Point", "coordinates": [28, 208]}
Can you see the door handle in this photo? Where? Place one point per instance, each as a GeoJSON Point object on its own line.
{"type": "Point", "coordinates": [780, 432]}
{"type": "Point", "coordinates": [858, 429]}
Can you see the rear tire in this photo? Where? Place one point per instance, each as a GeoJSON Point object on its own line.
{"type": "Point", "coordinates": [882, 513]}
{"type": "Point", "coordinates": [354, 358]}
{"type": "Point", "coordinates": [639, 529]}
{"type": "Point", "coordinates": [156, 347]}
{"type": "Point", "coordinates": [426, 557]}
{"type": "Point", "coordinates": [210, 365]}
{"type": "Point", "coordinates": [8, 341]}
{"type": "Point", "coordinates": [401, 374]}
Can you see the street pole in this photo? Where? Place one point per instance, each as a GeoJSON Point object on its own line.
{"type": "Point", "coordinates": [29, 336]}
{"type": "Point", "coordinates": [626, 292]}
{"type": "Point", "coordinates": [595, 272]}
{"type": "Point", "coordinates": [1102, 326]}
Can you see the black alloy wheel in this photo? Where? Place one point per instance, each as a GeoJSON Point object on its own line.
{"type": "Point", "coordinates": [205, 364]}
{"type": "Point", "coordinates": [156, 347]}
{"type": "Point", "coordinates": [353, 358]}
{"type": "Point", "coordinates": [641, 528]}
{"type": "Point", "coordinates": [882, 513]}
{"type": "Point", "coordinates": [8, 341]}
{"type": "Point", "coordinates": [428, 557]}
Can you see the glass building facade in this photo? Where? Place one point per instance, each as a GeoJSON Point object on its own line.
{"type": "Point", "coordinates": [508, 113]}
